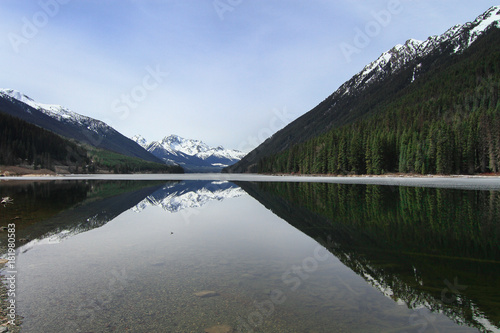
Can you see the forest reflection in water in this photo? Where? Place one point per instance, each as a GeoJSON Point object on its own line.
{"type": "Point", "coordinates": [426, 247]}
{"type": "Point", "coordinates": [420, 247]}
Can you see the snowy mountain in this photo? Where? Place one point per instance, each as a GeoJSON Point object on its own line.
{"type": "Point", "coordinates": [455, 40]}
{"type": "Point", "coordinates": [379, 82]}
{"type": "Point", "coordinates": [174, 198]}
{"type": "Point", "coordinates": [193, 155]}
{"type": "Point", "coordinates": [69, 124]}
{"type": "Point", "coordinates": [59, 112]}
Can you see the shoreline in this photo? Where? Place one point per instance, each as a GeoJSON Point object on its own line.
{"type": "Point", "coordinates": [474, 182]}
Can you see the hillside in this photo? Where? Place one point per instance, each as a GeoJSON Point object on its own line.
{"type": "Point", "coordinates": [69, 124]}
{"type": "Point", "coordinates": [32, 147]}
{"type": "Point", "coordinates": [426, 107]}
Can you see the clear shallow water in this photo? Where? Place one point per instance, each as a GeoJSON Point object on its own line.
{"type": "Point", "coordinates": [131, 256]}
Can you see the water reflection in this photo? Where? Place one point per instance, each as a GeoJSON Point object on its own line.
{"type": "Point", "coordinates": [192, 194]}
{"type": "Point", "coordinates": [136, 253]}
{"type": "Point", "coordinates": [51, 211]}
{"type": "Point", "coordinates": [48, 212]}
{"type": "Point", "coordinates": [422, 247]}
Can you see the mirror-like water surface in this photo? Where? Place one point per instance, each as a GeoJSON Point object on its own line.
{"type": "Point", "coordinates": [212, 256]}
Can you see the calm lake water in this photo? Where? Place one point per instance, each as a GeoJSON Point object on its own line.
{"type": "Point", "coordinates": [217, 256]}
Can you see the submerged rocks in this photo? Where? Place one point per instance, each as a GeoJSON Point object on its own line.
{"type": "Point", "coordinates": [206, 293]}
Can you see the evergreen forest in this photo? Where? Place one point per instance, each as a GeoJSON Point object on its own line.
{"type": "Point", "coordinates": [445, 122]}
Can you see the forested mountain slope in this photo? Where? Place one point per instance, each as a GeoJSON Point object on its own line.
{"type": "Point", "coordinates": [33, 147]}
{"type": "Point", "coordinates": [446, 122]}
{"type": "Point", "coordinates": [69, 124]}
{"type": "Point", "coordinates": [426, 107]}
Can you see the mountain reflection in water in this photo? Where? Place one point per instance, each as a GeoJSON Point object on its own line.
{"type": "Point", "coordinates": [48, 212]}
{"type": "Point", "coordinates": [420, 247]}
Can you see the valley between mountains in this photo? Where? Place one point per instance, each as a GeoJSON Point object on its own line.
{"type": "Point", "coordinates": [423, 107]}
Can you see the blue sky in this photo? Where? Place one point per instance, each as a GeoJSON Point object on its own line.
{"type": "Point", "coordinates": [228, 72]}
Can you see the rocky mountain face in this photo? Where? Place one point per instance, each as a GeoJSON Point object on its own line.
{"type": "Point", "coordinates": [381, 80]}
{"type": "Point", "coordinates": [192, 155]}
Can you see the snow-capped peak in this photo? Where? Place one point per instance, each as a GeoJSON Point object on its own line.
{"type": "Point", "coordinates": [140, 140]}
{"type": "Point", "coordinates": [460, 37]}
{"type": "Point", "coordinates": [190, 153]}
{"type": "Point", "coordinates": [19, 96]}
{"type": "Point", "coordinates": [187, 146]}
{"type": "Point", "coordinates": [58, 112]}
{"type": "Point", "coordinates": [483, 22]}
{"type": "Point", "coordinates": [175, 144]}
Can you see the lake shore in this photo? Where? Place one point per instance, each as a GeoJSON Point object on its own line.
{"type": "Point", "coordinates": [475, 182]}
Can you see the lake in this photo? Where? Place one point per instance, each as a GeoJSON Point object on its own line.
{"type": "Point", "coordinates": [212, 255]}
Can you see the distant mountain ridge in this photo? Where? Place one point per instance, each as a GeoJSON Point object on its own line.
{"type": "Point", "coordinates": [377, 84]}
{"type": "Point", "coordinates": [69, 124]}
{"type": "Point", "coordinates": [192, 155]}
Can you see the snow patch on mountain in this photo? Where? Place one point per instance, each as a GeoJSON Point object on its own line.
{"type": "Point", "coordinates": [58, 112]}
{"type": "Point", "coordinates": [483, 22]}
{"type": "Point", "coordinates": [141, 141]}
{"type": "Point", "coordinates": [198, 148]}
{"type": "Point", "coordinates": [188, 152]}
{"type": "Point", "coordinates": [459, 36]}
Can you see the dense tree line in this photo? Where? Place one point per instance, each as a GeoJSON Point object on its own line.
{"type": "Point", "coordinates": [25, 144]}
{"type": "Point", "coordinates": [109, 161]}
{"type": "Point", "coordinates": [22, 143]}
{"type": "Point", "coordinates": [446, 122]}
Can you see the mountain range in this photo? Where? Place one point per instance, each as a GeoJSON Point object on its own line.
{"type": "Point", "coordinates": [69, 124]}
{"type": "Point", "coordinates": [397, 76]}
{"type": "Point", "coordinates": [192, 155]}
{"type": "Point", "coordinates": [422, 107]}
